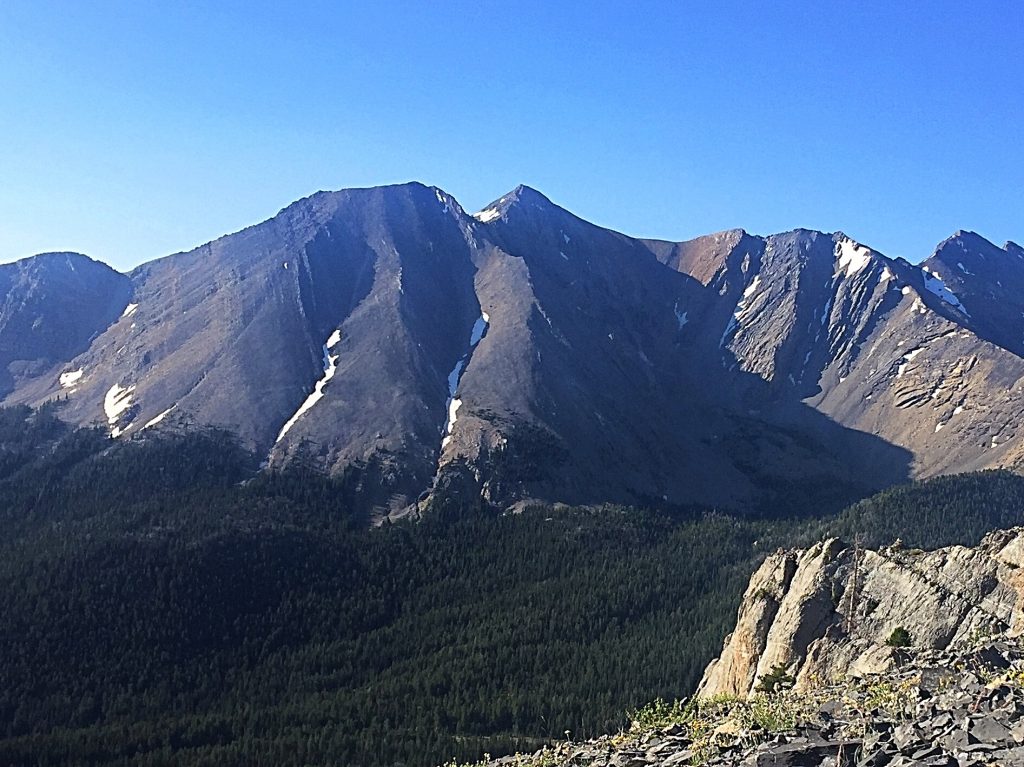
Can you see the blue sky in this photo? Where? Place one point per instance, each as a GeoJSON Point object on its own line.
{"type": "Point", "coordinates": [129, 130]}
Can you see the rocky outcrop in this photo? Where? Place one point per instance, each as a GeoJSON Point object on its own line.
{"type": "Point", "coordinates": [830, 611]}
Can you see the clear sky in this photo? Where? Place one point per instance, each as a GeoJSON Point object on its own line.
{"type": "Point", "coordinates": [129, 130]}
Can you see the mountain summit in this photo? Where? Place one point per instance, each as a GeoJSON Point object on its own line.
{"type": "Point", "coordinates": [523, 353]}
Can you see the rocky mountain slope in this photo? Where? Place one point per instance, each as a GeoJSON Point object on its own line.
{"type": "Point", "coordinates": [522, 352]}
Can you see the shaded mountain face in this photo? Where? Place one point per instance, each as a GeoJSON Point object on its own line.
{"type": "Point", "coordinates": [989, 283]}
{"type": "Point", "coordinates": [522, 353]}
{"type": "Point", "coordinates": [53, 306]}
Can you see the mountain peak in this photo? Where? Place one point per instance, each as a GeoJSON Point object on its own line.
{"type": "Point", "coordinates": [61, 260]}
{"type": "Point", "coordinates": [971, 254]}
{"type": "Point", "coordinates": [524, 193]}
{"type": "Point", "coordinates": [972, 238]}
{"type": "Point", "coordinates": [521, 197]}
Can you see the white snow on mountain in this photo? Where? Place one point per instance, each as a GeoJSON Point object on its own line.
{"type": "Point", "coordinates": [330, 367]}
{"type": "Point", "coordinates": [69, 379]}
{"type": "Point", "coordinates": [934, 284]}
{"type": "Point", "coordinates": [681, 317]}
{"type": "Point", "coordinates": [454, 403]}
{"type": "Point", "coordinates": [852, 256]}
{"type": "Point", "coordinates": [741, 307]}
{"type": "Point", "coordinates": [159, 418]}
{"type": "Point", "coordinates": [487, 215]}
{"type": "Point", "coordinates": [116, 401]}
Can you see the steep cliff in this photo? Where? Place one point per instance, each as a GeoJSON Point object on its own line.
{"type": "Point", "coordinates": [831, 611]}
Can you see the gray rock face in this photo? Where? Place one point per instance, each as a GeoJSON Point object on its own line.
{"type": "Point", "coordinates": [523, 353]}
{"type": "Point", "coordinates": [829, 612]}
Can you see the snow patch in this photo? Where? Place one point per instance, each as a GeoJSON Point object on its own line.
{"type": "Point", "coordinates": [487, 215]}
{"type": "Point", "coordinates": [116, 401]}
{"type": "Point", "coordinates": [69, 379]}
{"type": "Point", "coordinates": [752, 287]}
{"type": "Point", "coordinates": [934, 284]}
{"type": "Point", "coordinates": [826, 313]}
{"type": "Point", "coordinates": [454, 403]}
{"type": "Point", "coordinates": [129, 310]}
{"type": "Point", "coordinates": [852, 256]}
{"type": "Point", "coordinates": [158, 419]}
{"type": "Point", "coordinates": [330, 368]}
{"type": "Point", "coordinates": [454, 376]}
{"type": "Point", "coordinates": [907, 359]}
{"type": "Point", "coordinates": [938, 427]}
{"type": "Point", "coordinates": [729, 328]}
{"type": "Point", "coordinates": [680, 316]}
{"type": "Point", "coordinates": [964, 269]}
{"type": "Point", "coordinates": [741, 307]}
{"type": "Point", "coordinates": [886, 275]}
{"type": "Point", "coordinates": [453, 414]}
{"type": "Point", "coordinates": [479, 328]}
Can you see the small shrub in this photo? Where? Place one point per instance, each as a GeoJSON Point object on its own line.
{"type": "Point", "coordinates": [896, 698]}
{"type": "Point", "coordinates": [773, 713]}
{"type": "Point", "coordinates": [660, 713]}
{"type": "Point", "coordinates": [899, 637]}
{"type": "Point", "coordinates": [776, 680]}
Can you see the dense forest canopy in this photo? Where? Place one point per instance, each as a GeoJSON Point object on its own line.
{"type": "Point", "coordinates": [162, 602]}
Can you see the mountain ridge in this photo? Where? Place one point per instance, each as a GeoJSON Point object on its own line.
{"type": "Point", "coordinates": [609, 368]}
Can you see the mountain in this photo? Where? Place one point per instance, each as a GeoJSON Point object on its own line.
{"type": "Point", "coordinates": [522, 353]}
{"type": "Point", "coordinates": [878, 345]}
{"type": "Point", "coordinates": [988, 280]}
{"type": "Point", "coordinates": [54, 305]}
